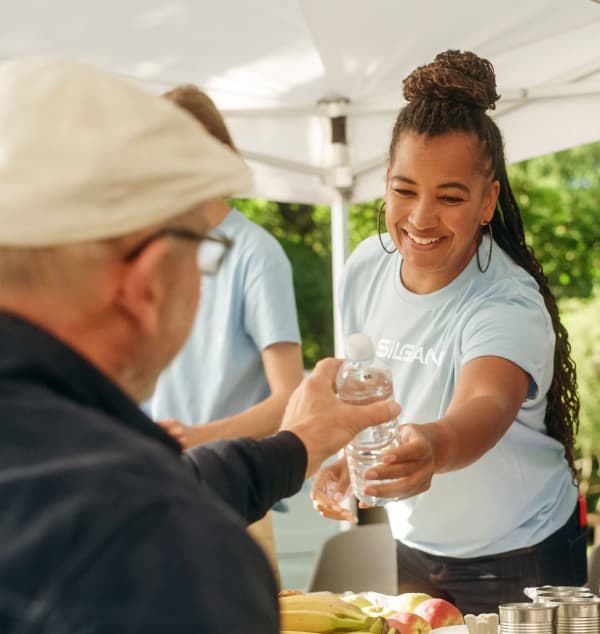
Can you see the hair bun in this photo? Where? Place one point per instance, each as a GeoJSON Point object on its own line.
{"type": "Point", "coordinates": [454, 76]}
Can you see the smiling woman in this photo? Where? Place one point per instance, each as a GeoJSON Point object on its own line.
{"type": "Point", "coordinates": [437, 199]}
{"type": "Point", "coordinates": [462, 312]}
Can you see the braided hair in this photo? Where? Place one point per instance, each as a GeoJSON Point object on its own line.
{"type": "Point", "coordinates": [452, 94]}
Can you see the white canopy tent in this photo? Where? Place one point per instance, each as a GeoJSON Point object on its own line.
{"type": "Point", "coordinates": [310, 88]}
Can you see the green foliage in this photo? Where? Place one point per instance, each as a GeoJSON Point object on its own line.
{"type": "Point", "coordinates": [362, 222]}
{"type": "Point", "coordinates": [559, 197]}
{"type": "Point", "coordinates": [581, 317]}
{"type": "Point", "coordinates": [312, 285]}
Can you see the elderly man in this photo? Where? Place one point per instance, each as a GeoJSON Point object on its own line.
{"type": "Point", "coordinates": [106, 525]}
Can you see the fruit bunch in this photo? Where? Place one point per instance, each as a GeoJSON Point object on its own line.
{"type": "Point", "coordinates": [323, 612]}
{"type": "Point", "coordinates": [410, 612]}
{"type": "Point", "coordinates": [326, 612]}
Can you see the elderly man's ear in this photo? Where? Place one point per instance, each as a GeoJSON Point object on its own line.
{"type": "Point", "coordinates": [143, 288]}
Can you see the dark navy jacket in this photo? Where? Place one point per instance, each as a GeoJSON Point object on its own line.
{"type": "Point", "coordinates": [105, 526]}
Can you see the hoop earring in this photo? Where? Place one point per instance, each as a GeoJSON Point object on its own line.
{"type": "Point", "coordinates": [379, 211]}
{"type": "Point", "coordinates": [489, 256]}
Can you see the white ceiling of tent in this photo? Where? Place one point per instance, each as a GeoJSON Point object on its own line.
{"type": "Point", "coordinates": [268, 63]}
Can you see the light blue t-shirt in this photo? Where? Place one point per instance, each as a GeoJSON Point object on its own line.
{"type": "Point", "coordinates": [248, 306]}
{"type": "Point", "coordinates": [520, 491]}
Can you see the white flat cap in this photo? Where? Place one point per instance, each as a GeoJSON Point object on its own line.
{"type": "Point", "coordinates": [85, 155]}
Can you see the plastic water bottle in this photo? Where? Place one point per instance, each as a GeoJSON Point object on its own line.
{"type": "Point", "coordinates": [363, 379]}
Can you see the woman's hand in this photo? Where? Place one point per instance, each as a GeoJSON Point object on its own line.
{"type": "Point", "coordinates": [409, 467]}
{"type": "Point", "coordinates": [331, 486]}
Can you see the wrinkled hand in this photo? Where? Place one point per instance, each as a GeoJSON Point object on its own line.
{"type": "Point", "coordinates": [409, 467]}
{"type": "Point", "coordinates": [323, 422]}
{"type": "Point", "coordinates": [175, 429]}
{"type": "Point", "coordinates": [331, 486]}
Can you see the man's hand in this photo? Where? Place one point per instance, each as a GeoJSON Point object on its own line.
{"type": "Point", "coordinates": [324, 423]}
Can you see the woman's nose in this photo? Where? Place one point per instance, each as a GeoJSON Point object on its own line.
{"type": "Point", "coordinates": [423, 215]}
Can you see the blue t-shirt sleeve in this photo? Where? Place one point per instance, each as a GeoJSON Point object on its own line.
{"type": "Point", "coordinates": [270, 306]}
{"type": "Point", "coordinates": [518, 329]}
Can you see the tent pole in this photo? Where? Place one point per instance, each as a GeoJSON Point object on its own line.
{"type": "Point", "coordinates": [339, 177]}
{"type": "Point", "coordinates": [339, 253]}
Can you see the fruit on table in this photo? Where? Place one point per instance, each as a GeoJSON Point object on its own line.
{"type": "Point", "coordinates": [408, 601]}
{"type": "Point", "coordinates": [356, 599]}
{"type": "Point", "coordinates": [327, 612]}
{"type": "Point", "coordinates": [321, 612]}
{"type": "Point", "coordinates": [439, 613]}
{"type": "Point", "coordinates": [321, 602]}
{"type": "Point", "coordinates": [314, 621]}
{"type": "Point", "coordinates": [378, 610]}
{"type": "Point", "coordinates": [409, 623]}
{"type": "Point", "coordinates": [379, 626]}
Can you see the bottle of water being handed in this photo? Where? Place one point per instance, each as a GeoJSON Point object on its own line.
{"type": "Point", "coordinates": [363, 379]}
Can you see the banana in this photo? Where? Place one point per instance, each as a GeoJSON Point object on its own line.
{"type": "Point", "coordinates": [378, 626]}
{"type": "Point", "coordinates": [320, 621]}
{"type": "Point", "coordinates": [321, 602]}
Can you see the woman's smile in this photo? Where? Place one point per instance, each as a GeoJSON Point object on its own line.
{"type": "Point", "coordinates": [421, 241]}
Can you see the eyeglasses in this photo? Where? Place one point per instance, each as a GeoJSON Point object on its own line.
{"type": "Point", "coordinates": [212, 247]}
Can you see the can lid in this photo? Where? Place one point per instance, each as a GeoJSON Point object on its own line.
{"type": "Point", "coordinates": [359, 347]}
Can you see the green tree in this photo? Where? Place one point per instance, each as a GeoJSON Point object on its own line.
{"type": "Point", "coordinates": [559, 197]}
{"type": "Point", "coordinates": [581, 318]}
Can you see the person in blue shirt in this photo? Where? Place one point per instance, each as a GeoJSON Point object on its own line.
{"type": "Point", "coordinates": [483, 487]}
{"type": "Point", "coordinates": [237, 381]}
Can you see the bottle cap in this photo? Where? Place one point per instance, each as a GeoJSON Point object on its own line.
{"type": "Point", "coordinates": [359, 347]}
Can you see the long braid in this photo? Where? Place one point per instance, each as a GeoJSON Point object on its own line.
{"type": "Point", "coordinates": [562, 410]}
{"type": "Point", "coordinates": [451, 95]}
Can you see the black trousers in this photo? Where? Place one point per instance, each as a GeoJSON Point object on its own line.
{"type": "Point", "coordinates": [480, 584]}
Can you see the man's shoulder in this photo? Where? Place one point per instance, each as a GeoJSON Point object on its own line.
{"type": "Point", "coordinates": [76, 445]}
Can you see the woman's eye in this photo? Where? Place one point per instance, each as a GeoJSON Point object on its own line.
{"type": "Point", "coordinates": [404, 192]}
{"type": "Point", "coordinates": [453, 200]}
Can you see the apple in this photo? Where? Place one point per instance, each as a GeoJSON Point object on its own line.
{"type": "Point", "coordinates": [408, 623]}
{"type": "Point", "coordinates": [408, 601]}
{"type": "Point", "coordinates": [439, 613]}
